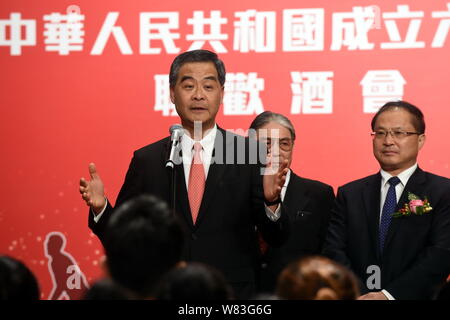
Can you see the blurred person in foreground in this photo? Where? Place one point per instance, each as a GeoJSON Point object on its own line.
{"type": "Point", "coordinates": [143, 241]}
{"type": "Point", "coordinates": [194, 281]}
{"type": "Point", "coordinates": [17, 281]}
{"type": "Point", "coordinates": [317, 278]}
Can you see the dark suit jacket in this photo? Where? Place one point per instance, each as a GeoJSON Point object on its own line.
{"type": "Point", "coordinates": [224, 235]}
{"type": "Point", "coordinates": [308, 204]}
{"type": "Point", "coordinates": [416, 256]}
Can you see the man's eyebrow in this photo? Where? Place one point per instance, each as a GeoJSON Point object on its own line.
{"type": "Point", "coordinates": [393, 128]}
{"type": "Point", "coordinates": [184, 78]}
{"type": "Point", "coordinates": [210, 78]}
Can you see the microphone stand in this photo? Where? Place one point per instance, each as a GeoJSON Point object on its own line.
{"type": "Point", "coordinates": [176, 132]}
{"type": "Point", "coordinates": [170, 166]}
{"type": "Point", "coordinates": [173, 181]}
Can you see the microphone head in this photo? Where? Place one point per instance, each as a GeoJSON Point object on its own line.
{"type": "Point", "coordinates": [176, 132]}
{"type": "Point", "coordinates": [175, 127]}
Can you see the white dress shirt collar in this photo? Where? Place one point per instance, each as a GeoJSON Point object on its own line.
{"type": "Point", "coordinates": [187, 145]}
{"type": "Point", "coordinates": [403, 176]}
{"type": "Point", "coordinates": [207, 142]}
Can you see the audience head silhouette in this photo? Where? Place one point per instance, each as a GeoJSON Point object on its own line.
{"type": "Point", "coordinates": [17, 282]}
{"type": "Point", "coordinates": [107, 289]}
{"type": "Point", "coordinates": [317, 278]}
{"type": "Point", "coordinates": [143, 241]}
{"type": "Point", "coordinates": [195, 281]}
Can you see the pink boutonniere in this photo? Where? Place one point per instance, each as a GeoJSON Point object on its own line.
{"type": "Point", "coordinates": [415, 205]}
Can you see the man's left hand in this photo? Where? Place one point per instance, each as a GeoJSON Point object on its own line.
{"type": "Point", "coordinates": [273, 180]}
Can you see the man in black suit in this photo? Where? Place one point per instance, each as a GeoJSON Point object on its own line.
{"type": "Point", "coordinates": [400, 249]}
{"type": "Point", "coordinates": [307, 202]}
{"type": "Point", "coordinates": [222, 196]}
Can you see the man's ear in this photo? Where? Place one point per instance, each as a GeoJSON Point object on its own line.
{"type": "Point", "coordinates": [172, 95]}
{"type": "Point", "coordinates": [421, 141]}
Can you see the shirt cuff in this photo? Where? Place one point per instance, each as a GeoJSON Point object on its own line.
{"type": "Point", "coordinates": [98, 216]}
{"type": "Point", "coordinates": [274, 216]}
{"type": "Point", "coordinates": [388, 295]}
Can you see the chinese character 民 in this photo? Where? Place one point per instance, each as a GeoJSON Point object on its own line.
{"type": "Point", "coordinates": [151, 30]}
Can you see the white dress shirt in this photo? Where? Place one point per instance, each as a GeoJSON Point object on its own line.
{"type": "Point", "coordinates": [286, 183]}
{"type": "Point", "coordinates": [385, 176]}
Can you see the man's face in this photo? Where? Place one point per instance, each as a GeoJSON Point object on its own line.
{"type": "Point", "coordinates": [197, 94]}
{"type": "Point", "coordinates": [396, 154]}
{"type": "Point", "coordinates": [278, 139]}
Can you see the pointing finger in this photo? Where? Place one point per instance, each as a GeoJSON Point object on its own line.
{"type": "Point", "coordinates": [93, 171]}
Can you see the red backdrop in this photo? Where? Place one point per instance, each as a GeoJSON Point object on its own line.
{"type": "Point", "coordinates": [80, 87]}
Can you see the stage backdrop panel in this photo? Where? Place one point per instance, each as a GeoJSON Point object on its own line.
{"type": "Point", "coordinates": [86, 81]}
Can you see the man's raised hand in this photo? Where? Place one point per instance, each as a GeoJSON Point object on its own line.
{"type": "Point", "coordinates": [92, 191]}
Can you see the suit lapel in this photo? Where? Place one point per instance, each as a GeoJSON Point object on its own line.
{"type": "Point", "coordinates": [414, 185]}
{"type": "Point", "coordinates": [182, 201]}
{"type": "Point", "coordinates": [371, 199]}
{"type": "Point", "coordinates": [296, 195]}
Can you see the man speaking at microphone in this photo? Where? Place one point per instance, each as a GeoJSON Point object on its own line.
{"type": "Point", "coordinates": [220, 194]}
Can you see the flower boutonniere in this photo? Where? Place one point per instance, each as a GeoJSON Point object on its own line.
{"type": "Point", "coordinates": [415, 205]}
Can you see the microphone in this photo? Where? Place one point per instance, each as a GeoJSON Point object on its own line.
{"type": "Point", "coordinates": [176, 132]}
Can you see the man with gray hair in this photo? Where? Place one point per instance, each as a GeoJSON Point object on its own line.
{"type": "Point", "coordinates": [307, 202]}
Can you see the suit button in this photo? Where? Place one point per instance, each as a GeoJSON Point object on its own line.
{"type": "Point", "coordinates": [193, 236]}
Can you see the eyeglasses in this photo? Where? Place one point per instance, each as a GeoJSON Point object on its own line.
{"type": "Point", "coordinates": [285, 144]}
{"type": "Point", "coordinates": [396, 134]}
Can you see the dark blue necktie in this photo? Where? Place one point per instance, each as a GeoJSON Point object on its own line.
{"type": "Point", "coordinates": [388, 209]}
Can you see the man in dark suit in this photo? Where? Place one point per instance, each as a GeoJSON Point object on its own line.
{"type": "Point", "coordinates": [221, 193]}
{"type": "Point", "coordinates": [307, 202]}
{"type": "Point", "coordinates": [393, 228]}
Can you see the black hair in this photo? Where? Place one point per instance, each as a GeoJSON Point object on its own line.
{"type": "Point", "coordinates": [143, 240]}
{"type": "Point", "coordinates": [107, 289]}
{"type": "Point", "coordinates": [196, 56]}
{"type": "Point", "coordinates": [418, 118]}
{"type": "Point", "coordinates": [17, 282]}
{"type": "Point", "coordinates": [195, 281]}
